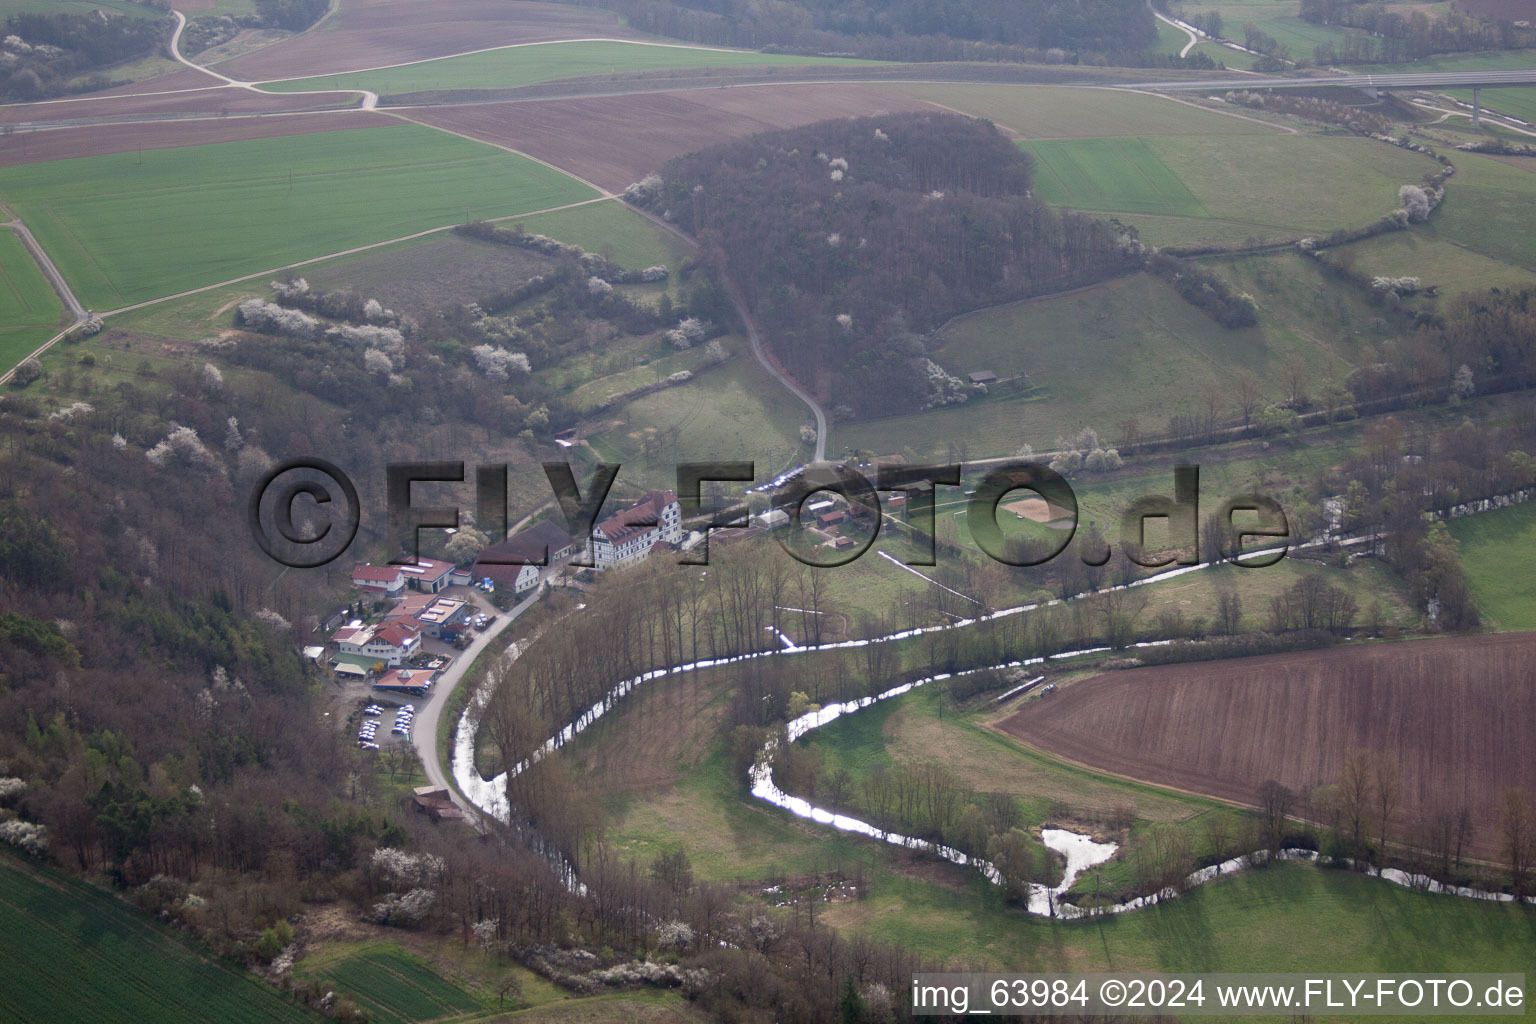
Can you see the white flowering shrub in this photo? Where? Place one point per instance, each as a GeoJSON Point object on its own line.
{"type": "Point", "coordinates": [11, 788]}
{"type": "Point", "coordinates": [880, 136]}
{"type": "Point", "coordinates": [655, 273]}
{"type": "Point", "coordinates": [597, 286]}
{"type": "Point", "coordinates": [69, 412]}
{"type": "Point", "coordinates": [270, 318]}
{"type": "Point", "coordinates": [838, 164]}
{"type": "Point", "coordinates": [497, 363]}
{"type": "Point", "coordinates": [645, 190]}
{"type": "Point", "coordinates": [688, 333]}
{"type": "Point", "coordinates": [213, 378]}
{"type": "Point", "coordinates": [1416, 201]}
{"type": "Point", "coordinates": [25, 836]}
{"type": "Point", "coordinates": [395, 867]}
{"type": "Point", "coordinates": [943, 388]}
{"type": "Point", "coordinates": [233, 440]}
{"type": "Point", "coordinates": [293, 288]}
{"type": "Point", "coordinates": [674, 936]}
{"type": "Point", "coordinates": [405, 911]}
{"type": "Point", "coordinates": [376, 361]}
{"type": "Point", "coordinates": [273, 619]}
{"type": "Point", "coordinates": [836, 174]}
{"type": "Point", "coordinates": [182, 447]}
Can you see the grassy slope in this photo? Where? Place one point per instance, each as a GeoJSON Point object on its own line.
{"type": "Point", "coordinates": [525, 65]}
{"type": "Point", "coordinates": [1488, 209]}
{"type": "Point", "coordinates": [1287, 918]}
{"type": "Point", "coordinates": [1151, 354]}
{"type": "Point", "coordinates": [87, 956]}
{"type": "Point", "coordinates": [1424, 254]}
{"type": "Point", "coordinates": [613, 230]}
{"type": "Point", "coordinates": [29, 309]}
{"type": "Point", "coordinates": [1498, 550]}
{"type": "Point", "coordinates": [129, 227]}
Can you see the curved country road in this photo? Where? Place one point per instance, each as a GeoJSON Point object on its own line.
{"type": "Point", "coordinates": [424, 726]}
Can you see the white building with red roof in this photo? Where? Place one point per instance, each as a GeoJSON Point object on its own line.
{"type": "Point", "coordinates": [379, 580]}
{"type": "Point", "coordinates": [630, 534]}
{"type": "Point", "coordinates": [427, 575]}
{"type": "Point", "coordinates": [390, 643]}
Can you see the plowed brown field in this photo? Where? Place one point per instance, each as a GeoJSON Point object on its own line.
{"type": "Point", "coordinates": [1459, 713]}
{"type": "Point", "coordinates": [616, 140]}
{"type": "Point", "coordinates": [32, 147]}
{"type": "Point", "coordinates": [370, 33]}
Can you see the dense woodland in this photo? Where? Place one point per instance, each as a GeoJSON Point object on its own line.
{"type": "Point", "coordinates": [908, 30]}
{"type": "Point", "coordinates": [45, 55]}
{"type": "Point", "coordinates": [851, 239]}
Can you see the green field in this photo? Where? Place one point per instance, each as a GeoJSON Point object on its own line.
{"type": "Point", "coordinates": [513, 66]}
{"type": "Point", "coordinates": [1515, 102]}
{"type": "Point", "coordinates": [393, 987]}
{"type": "Point", "coordinates": [1046, 112]}
{"type": "Point", "coordinates": [10, 7]}
{"type": "Point", "coordinates": [135, 226]}
{"type": "Point", "coordinates": [1498, 551]}
{"type": "Point", "coordinates": [77, 953]}
{"type": "Point", "coordinates": [1490, 208]}
{"type": "Point", "coordinates": [29, 309]}
{"type": "Point", "coordinates": [613, 230]}
{"type": "Point", "coordinates": [1249, 180]}
{"type": "Point", "coordinates": [1110, 174]}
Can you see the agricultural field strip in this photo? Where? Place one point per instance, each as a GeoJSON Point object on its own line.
{"type": "Point", "coordinates": [47, 908]}
{"type": "Point", "coordinates": [336, 255]}
{"type": "Point", "coordinates": [494, 49]}
{"type": "Point", "coordinates": [469, 163]}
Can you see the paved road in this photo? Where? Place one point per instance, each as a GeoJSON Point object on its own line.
{"type": "Point", "coordinates": [429, 712]}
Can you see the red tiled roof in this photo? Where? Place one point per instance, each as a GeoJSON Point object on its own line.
{"type": "Point", "coordinates": [396, 633]}
{"type": "Point", "coordinates": [376, 573]}
{"type": "Point", "coordinates": [643, 515]}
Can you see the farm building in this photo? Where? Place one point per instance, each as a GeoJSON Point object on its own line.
{"type": "Point", "coordinates": [428, 575]}
{"type": "Point", "coordinates": [435, 803]}
{"type": "Point", "coordinates": [541, 544]}
{"type": "Point", "coordinates": [379, 580]}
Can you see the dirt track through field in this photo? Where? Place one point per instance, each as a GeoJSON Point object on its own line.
{"type": "Point", "coordinates": [1455, 711]}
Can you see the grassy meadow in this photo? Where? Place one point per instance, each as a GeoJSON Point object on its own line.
{"type": "Point", "coordinates": [614, 230]}
{"type": "Point", "coordinates": [1498, 551]}
{"type": "Point", "coordinates": [1248, 180]}
{"type": "Point", "coordinates": [513, 66]}
{"type": "Point", "coordinates": [1152, 354]}
{"type": "Point", "coordinates": [30, 312]}
{"type": "Point", "coordinates": [135, 226]}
